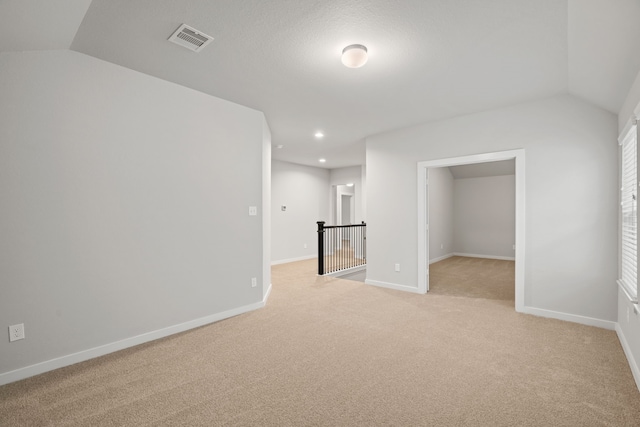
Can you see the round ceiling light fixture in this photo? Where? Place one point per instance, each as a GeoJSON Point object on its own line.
{"type": "Point", "coordinates": [354, 56]}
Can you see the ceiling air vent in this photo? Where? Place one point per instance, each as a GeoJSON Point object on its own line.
{"type": "Point", "coordinates": [190, 38]}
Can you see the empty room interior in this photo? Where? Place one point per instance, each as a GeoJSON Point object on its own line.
{"type": "Point", "coordinates": [471, 214]}
{"type": "Point", "coordinates": [354, 212]}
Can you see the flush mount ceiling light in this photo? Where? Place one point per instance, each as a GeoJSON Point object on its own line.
{"type": "Point", "coordinates": [322, 160]}
{"type": "Point", "coordinates": [319, 134]}
{"type": "Point", "coordinates": [354, 56]}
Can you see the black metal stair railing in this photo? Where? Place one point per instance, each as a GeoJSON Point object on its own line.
{"type": "Point", "coordinates": [341, 247]}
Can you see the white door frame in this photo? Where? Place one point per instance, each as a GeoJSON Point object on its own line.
{"type": "Point", "coordinates": [423, 235]}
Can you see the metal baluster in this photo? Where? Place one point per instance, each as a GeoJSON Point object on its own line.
{"type": "Point", "coordinates": [350, 248]}
{"type": "Point", "coordinates": [320, 247]}
{"type": "Point", "coordinates": [333, 249]}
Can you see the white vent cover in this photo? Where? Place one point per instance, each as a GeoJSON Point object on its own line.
{"type": "Point", "coordinates": [190, 38]}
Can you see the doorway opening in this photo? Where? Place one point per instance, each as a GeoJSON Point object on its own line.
{"type": "Point", "coordinates": [424, 232]}
{"type": "Point", "coordinates": [350, 237]}
{"type": "Point", "coordinates": [472, 224]}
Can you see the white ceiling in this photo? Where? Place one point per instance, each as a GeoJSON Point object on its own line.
{"type": "Point", "coordinates": [604, 51]}
{"type": "Point", "coordinates": [40, 25]}
{"type": "Point", "coordinates": [429, 59]}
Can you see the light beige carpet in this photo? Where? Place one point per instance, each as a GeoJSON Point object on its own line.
{"type": "Point", "coordinates": [473, 278]}
{"type": "Point", "coordinates": [336, 352]}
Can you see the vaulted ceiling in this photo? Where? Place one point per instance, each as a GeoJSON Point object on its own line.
{"type": "Point", "coordinates": [429, 59]}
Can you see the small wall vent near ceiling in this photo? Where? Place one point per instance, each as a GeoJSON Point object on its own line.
{"type": "Point", "coordinates": [190, 38]}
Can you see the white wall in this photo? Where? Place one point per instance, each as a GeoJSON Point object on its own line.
{"type": "Point", "coordinates": [124, 208]}
{"type": "Point", "coordinates": [440, 213]}
{"type": "Point", "coordinates": [305, 191]}
{"type": "Point", "coordinates": [484, 216]}
{"type": "Point", "coordinates": [628, 326]}
{"type": "Point", "coordinates": [571, 197]}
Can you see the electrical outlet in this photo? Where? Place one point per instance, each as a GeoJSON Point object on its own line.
{"type": "Point", "coordinates": [16, 332]}
{"type": "Point", "coordinates": [398, 267]}
{"type": "Point", "coordinates": [253, 210]}
{"type": "Point", "coordinates": [254, 282]}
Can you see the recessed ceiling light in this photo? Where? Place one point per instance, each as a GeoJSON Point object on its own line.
{"type": "Point", "coordinates": [350, 184]}
{"type": "Point", "coordinates": [354, 56]}
{"type": "Point", "coordinates": [319, 134]}
{"type": "Point", "coordinates": [322, 160]}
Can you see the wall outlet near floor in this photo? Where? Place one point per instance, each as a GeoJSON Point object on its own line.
{"type": "Point", "coordinates": [304, 246]}
{"type": "Point", "coordinates": [16, 332]}
{"type": "Point", "coordinates": [254, 282]}
{"type": "Point", "coordinates": [398, 267]}
{"type": "Point", "coordinates": [253, 210]}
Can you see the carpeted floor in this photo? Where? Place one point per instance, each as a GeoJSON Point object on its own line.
{"type": "Point", "coordinates": [473, 278]}
{"type": "Point", "coordinates": [335, 352]}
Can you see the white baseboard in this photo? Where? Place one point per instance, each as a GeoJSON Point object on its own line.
{"type": "Point", "coordinates": [575, 318]}
{"type": "Point", "coordinates": [627, 352]}
{"type": "Point", "coordinates": [440, 258]}
{"type": "Point", "coordinates": [286, 261]}
{"type": "Point", "coordinates": [81, 356]}
{"type": "Point", "coordinates": [392, 286]}
{"type": "Point", "coordinates": [266, 295]}
{"type": "Point", "coordinates": [505, 258]}
{"type": "Point", "coordinates": [347, 271]}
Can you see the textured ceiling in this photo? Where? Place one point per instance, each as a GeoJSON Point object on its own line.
{"type": "Point", "coordinates": [604, 56]}
{"type": "Point", "coordinates": [39, 25]}
{"type": "Point", "coordinates": [429, 59]}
